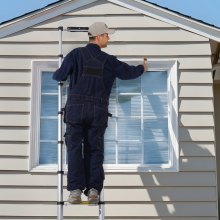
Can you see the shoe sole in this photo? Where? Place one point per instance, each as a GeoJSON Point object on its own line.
{"type": "Point", "coordinates": [74, 202]}
{"type": "Point", "coordinates": [93, 199]}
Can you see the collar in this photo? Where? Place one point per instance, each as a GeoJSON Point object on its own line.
{"type": "Point", "coordinates": [93, 47]}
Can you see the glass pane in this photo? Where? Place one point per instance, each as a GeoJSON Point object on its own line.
{"type": "Point", "coordinates": [112, 104]}
{"type": "Point", "coordinates": [156, 152]}
{"type": "Point", "coordinates": [48, 84]}
{"type": "Point", "coordinates": [48, 153]}
{"type": "Point", "coordinates": [129, 105]}
{"type": "Point", "coordinates": [48, 129]}
{"type": "Point", "coordinates": [113, 91]}
{"type": "Point", "coordinates": [110, 133]}
{"type": "Point", "coordinates": [154, 82]}
{"type": "Point", "coordinates": [155, 105]}
{"type": "Point", "coordinates": [49, 105]}
{"type": "Point", "coordinates": [129, 86]}
{"type": "Point", "coordinates": [110, 152]}
{"type": "Point", "coordinates": [156, 129]}
{"type": "Point", "coordinates": [129, 129]}
{"type": "Point", "coordinates": [129, 152]}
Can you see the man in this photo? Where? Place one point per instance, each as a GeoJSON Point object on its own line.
{"type": "Point", "coordinates": [92, 73]}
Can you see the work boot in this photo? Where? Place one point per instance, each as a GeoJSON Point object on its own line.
{"type": "Point", "coordinates": [93, 196]}
{"type": "Point", "coordinates": [75, 196]}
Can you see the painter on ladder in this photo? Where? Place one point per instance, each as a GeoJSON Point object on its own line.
{"type": "Point", "coordinates": [92, 73]}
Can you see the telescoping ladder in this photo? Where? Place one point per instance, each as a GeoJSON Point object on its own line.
{"type": "Point", "coordinates": [60, 172]}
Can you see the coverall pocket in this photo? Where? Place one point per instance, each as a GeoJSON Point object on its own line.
{"type": "Point", "coordinates": [74, 113]}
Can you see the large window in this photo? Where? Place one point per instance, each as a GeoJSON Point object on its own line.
{"type": "Point", "coordinates": [142, 134]}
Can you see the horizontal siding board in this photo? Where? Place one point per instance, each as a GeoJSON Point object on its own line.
{"type": "Point", "coordinates": [19, 164]}
{"type": "Point", "coordinates": [18, 63]}
{"type": "Point", "coordinates": [14, 149]}
{"type": "Point", "coordinates": [191, 91]}
{"type": "Point", "coordinates": [196, 134]}
{"type": "Point", "coordinates": [126, 21]}
{"type": "Point", "coordinates": [199, 149]}
{"type": "Point", "coordinates": [196, 119]}
{"type": "Point", "coordinates": [116, 49]}
{"type": "Point", "coordinates": [197, 106]}
{"type": "Point", "coordinates": [21, 91]}
{"type": "Point", "coordinates": [162, 179]}
{"type": "Point", "coordinates": [160, 208]}
{"type": "Point", "coordinates": [14, 105]}
{"type": "Point", "coordinates": [184, 63]}
{"type": "Point", "coordinates": [197, 164]}
{"type": "Point", "coordinates": [147, 35]}
{"type": "Point", "coordinates": [14, 134]}
{"type": "Point", "coordinates": [14, 120]}
{"type": "Point", "coordinates": [15, 77]}
{"type": "Point", "coordinates": [195, 77]}
{"type": "Point", "coordinates": [119, 179]}
{"type": "Point", "coordinates": [150, 194]}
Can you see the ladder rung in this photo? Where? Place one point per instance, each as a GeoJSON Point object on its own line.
{"type": "Point", "coordinates": [85, 203]}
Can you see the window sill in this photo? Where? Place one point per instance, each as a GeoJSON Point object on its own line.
{"type": "Point", "coordinates": [110, 168]}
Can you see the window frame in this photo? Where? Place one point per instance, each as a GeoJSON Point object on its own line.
{"type": "Point", "coordinates": [169, 65]}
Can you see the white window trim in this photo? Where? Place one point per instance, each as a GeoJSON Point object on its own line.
{"type": "Point", "coordinates": [153, 65]}
{"type": "Point", "coordinates": [38, 66]}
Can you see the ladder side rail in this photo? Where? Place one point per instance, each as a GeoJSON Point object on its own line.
{"type": "Point", "coordinates": [60, 171]}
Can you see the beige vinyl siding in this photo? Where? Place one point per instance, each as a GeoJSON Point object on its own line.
{"type": "Point", "coordinates": [46, 34]}
{"type": "Point", "coordinates": [189, 194]}
{"type": "Point", "coordinates": [120, 180]}
{"type": "Point", "coordinates": [14, 149]}
{"type": "Point", "coordinates": [120, 210]}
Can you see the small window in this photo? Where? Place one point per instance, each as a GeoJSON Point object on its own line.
{"type": "Point", "coordinates": [142, 135]}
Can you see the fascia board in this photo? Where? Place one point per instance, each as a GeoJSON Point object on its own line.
{"type": "Point", "coordinates": [170, 17]}
{"type": "Point", "coordinates": [41, 16]}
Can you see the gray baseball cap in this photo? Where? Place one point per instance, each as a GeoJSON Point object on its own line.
{"type": "Point", "coordinates": [99, 28]}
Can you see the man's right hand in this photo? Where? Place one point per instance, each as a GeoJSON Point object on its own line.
{"type": "Point", "coordinates": [145, 65]}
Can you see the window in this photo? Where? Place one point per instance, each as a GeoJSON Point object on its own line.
{"type": "Point", "coordinates": [142, 135]}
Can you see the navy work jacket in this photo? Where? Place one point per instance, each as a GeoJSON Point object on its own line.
{"type": "Point", "coordinates": [73, 65]}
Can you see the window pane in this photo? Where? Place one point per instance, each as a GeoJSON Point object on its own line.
{"type": "Point", "coordinates": [112, 104]}
{"type": "Point", "coordinates": [48, 121]}
{"type": "Point", "coordinates": [156, 152]}
{"type": "Point", "coordinates": [48, 129]}
{"type": "Point", "coordinates": [154, 82]}
{"type": "Point", "coordinates": [155, 105]}
{"type": "Point", "coordinates": [110, 133]}
{"type": "Point", "coordinates": [48, 85]}
{"type": "Point", "coordinates": [129, 86]}
{"type": "Point", "coordinates": [49, 105]}
{"type": "Point", "coordinates": [129, 152]}
{"type": "Point", "coordinates": [48, 153]}
{"type": "Point", "coordinates": [129, 129]}
{"type": "Point", "coordinates": [110, 152]}
{"type": "Point", "coordinates": [156, 129]}
{"type": "Point", "coordinates": [129, 105]}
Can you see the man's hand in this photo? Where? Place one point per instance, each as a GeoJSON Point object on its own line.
{"type": "Point", "coordinates": [145, 65]}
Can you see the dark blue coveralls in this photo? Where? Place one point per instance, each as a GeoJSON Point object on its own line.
{"type": "Point", "coordinates": [92, 73]}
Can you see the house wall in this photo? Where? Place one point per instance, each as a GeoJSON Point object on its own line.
{"type": "Point", "coordinates": [189, 194]}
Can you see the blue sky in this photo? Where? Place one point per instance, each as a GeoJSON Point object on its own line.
{"type": "Point", "coordinates": [206, 10]}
